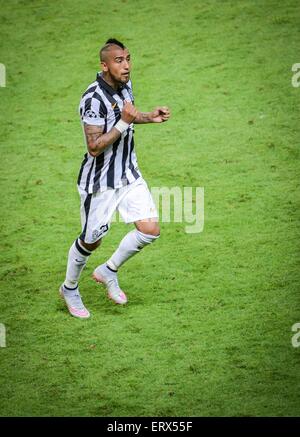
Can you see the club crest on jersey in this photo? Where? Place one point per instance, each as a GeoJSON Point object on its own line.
{"type": "Point", "coordinates": [90, 114]}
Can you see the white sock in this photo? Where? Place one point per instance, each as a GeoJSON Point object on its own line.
{"type": "Point", "coordinates": [131, 244]}
{"type": "Point", "coordinates": [78, 256]}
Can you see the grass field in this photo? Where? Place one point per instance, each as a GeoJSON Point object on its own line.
{"type": "Point", "coordinates": [207, 330]}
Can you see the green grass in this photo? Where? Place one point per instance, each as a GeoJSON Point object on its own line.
{"type": "Point", "coordinates": [207, 331]}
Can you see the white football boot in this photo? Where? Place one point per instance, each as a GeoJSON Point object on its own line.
{"type": "Point", "coordinates": [74, 302]}
{"type": "Point", "coordinates": [109, 278]}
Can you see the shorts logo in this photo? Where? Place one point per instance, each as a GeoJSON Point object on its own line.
{"type": "Point", "coordinates": [97, 233]}
{"type": "Point", "coordinates": [90, 114]}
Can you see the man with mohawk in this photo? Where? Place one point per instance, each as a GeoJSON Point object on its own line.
{"type": "Point", "coordinates": [109, 179]}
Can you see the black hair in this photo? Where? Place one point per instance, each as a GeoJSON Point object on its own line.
{"type": "Point", "coordinates": [115, 42]}
{"type": "Point", "coordinates": [110, 42]}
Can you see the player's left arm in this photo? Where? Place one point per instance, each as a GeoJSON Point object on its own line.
{"type": "Point", "coordinates": [158, 115]}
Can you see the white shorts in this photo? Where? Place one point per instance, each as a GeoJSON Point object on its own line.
{"type": "Point", "coordinates": [133, 202]}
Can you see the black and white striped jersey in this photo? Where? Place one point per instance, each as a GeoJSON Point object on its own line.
{"type": "Point", "coordinates": [101, 105]}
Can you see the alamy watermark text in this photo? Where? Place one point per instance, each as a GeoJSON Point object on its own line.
{"type": "Point", "coordinates": [2, 75]}
{"type": "Point", "coordinates": [2, 335]}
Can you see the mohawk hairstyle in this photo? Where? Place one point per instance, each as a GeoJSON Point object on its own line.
{"type": "Point", "coordinates": [110, 42]}
{"type": "Point", "coordinates": [115, 42]}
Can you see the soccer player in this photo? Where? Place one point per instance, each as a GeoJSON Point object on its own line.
{"type": "Point", "coordinates": [109, 179]}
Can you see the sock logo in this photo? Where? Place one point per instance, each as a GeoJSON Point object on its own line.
{"type": "Point", "coordinates": [97, 233]}
{"type": "Point", "coordinates": [80, 262]}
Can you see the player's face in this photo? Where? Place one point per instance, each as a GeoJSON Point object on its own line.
{"type": "Point", "coordinates": [117, 64]}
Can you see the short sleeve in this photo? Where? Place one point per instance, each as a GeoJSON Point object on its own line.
{"type": "Point", "coordinates": [90, 112]}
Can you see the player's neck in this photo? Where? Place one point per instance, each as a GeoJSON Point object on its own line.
{"type": "Point", "coordinates": [108, 79]}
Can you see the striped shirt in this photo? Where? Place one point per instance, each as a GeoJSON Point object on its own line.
{"type": "Point", "coordinates": [117, 166]}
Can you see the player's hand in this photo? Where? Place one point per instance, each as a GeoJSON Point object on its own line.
{"type": "Point", "coordinates": [129, 112]}
{"type": "Point", "coordinates": [160, 114]}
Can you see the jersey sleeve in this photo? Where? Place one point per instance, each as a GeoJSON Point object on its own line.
{"type": "Point", "coordinates": [90, 112]}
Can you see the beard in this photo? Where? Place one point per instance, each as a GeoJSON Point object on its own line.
{"type": "Point", "coordinates": [121, 79]}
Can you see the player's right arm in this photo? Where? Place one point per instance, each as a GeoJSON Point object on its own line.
{"type": "Point", "coordinates": [97, 141]}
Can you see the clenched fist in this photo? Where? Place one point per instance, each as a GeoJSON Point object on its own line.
{"type": "Point", "coordinates": [160, 114]}
{"type": "Point", "coordinates": [129, 112]}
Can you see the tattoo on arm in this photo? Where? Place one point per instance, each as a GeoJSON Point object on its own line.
{"type": "Point", "coordinates": [143, 117]}
{"type": "Point", "coordinates": [92, 135]}
{"type": "Point", "coordinates": [96, 140]}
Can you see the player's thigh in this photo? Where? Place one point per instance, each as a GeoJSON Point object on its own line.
{"type": "Point", "coordinates": [96, 212]}
{"type": "Point", "coordinates": [137, 206]}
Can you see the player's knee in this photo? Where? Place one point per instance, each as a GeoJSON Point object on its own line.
{"type": "Point", "coordinates": [91, 246]}
{"type": "Point", "coordinates": [149, 228]}
{"type": "Point", "coordinates": [155, 230]}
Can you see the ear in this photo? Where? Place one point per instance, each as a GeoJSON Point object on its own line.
{"type": "Point", "coordinates": [104, 66]}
